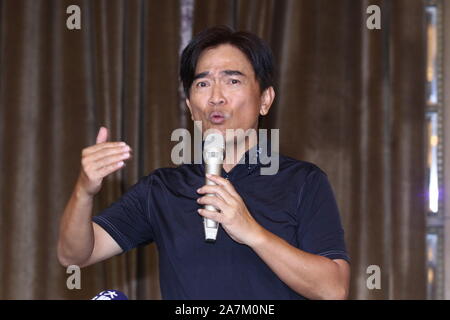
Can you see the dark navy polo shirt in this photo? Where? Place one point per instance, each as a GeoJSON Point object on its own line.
{"type": "Point", "coordinates": [296, 204]}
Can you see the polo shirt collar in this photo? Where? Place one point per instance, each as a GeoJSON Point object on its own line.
{"type": "Point", "coordinates": [248, 163]}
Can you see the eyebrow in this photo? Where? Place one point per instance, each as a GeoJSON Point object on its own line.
{"type": "Point", "coordinates": [226, 72]}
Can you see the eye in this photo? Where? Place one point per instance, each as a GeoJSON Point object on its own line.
{"type": "Point", "coordinates": [201, 84]}
{"type": "Point", "coordinates": [235, 81]}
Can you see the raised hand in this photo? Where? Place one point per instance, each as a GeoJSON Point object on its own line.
{"type": "Point", "coordinates": [100, 160]}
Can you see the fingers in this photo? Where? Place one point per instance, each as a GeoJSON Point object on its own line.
{"type": "Point", "coordinates": [96, 147]}
{"type": "Point", "coordinates": [109, 151]}
{"type": "Point", "coordinates": [107, 156]}
{"type": "Point", "coordinates": [102, 135]}
{"type": "Point", "coordinates": [226, 184]}
{"type": "Point", "coordinates": [112, 159]}
{"type": "Point", "coordinates": [218, 217]}
{"type": "Point", "coordinates": [217, 190]}
{"type": "Point", "coordinates": [95, 171]}
{"type": "Point", "coordinates": [213, 201]}
{"type": "Point", "coordinates": [110, 168]}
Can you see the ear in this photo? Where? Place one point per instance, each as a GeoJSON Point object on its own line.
{"type": "Point", "coordinates": [189, 107]}
{"type": "Point", "coordinates": [267, 98]}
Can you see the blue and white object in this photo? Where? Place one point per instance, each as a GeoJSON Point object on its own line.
{"type": "Point", "coordinates": [110, 295]}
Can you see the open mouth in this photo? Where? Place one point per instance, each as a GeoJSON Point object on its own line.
{"type": "Point", "coordinates": [217, 117]}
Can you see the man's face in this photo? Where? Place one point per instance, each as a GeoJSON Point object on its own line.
{"type": "Point", "coordinates": [225, 93]}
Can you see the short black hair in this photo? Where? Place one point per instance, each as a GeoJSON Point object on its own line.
{"type": "Point", "coordinates": [254, 48]}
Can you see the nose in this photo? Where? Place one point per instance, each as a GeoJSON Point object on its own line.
{"type": "Point", "coordinates": [217, 98]}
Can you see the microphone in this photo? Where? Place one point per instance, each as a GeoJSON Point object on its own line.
{"type": "Point", "coordinates": [213, 151]}
{"type": "Point", "coordinates": [110, 295]}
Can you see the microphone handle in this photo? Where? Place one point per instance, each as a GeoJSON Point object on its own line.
{"type": "Point", "coordinates": [216, 169]}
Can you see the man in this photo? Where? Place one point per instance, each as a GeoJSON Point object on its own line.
{"type": "Point", "coordinates": [280, 235]}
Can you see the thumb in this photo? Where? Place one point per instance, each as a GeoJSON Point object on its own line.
{"type": "Point", "coordinates": [102, 135]}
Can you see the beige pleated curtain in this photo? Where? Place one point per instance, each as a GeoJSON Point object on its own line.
{"type": "Point", "coordinates": [349, 99]}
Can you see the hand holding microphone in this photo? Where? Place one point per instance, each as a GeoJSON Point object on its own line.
{"type": "Point", "coordinates": [222, 203]}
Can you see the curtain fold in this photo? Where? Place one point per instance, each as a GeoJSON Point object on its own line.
{"type": "Point", "coordinates": [57, 87]}
{"type": "Point", "coordinates": [408, 201]}
{"type": "Point", "coordinates": [349, 99]}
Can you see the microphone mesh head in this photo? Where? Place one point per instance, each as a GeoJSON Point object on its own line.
{"type": "Point", "coordinates": [214, 141]}
{"type": "Point", "coordinates": [213, 150]}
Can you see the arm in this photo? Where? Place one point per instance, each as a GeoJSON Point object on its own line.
{"type": "Point", "coordinates": [310, 275]}
{"type": "Point", "coordinates": [81, 241]}
{"type": "Point", "coordinates": [313, 276]}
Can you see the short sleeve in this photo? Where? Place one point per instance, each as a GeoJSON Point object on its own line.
{"type": "Point", "coordinates": [320, 230]}
{"type": "Point", "coordinates": [127, 220]}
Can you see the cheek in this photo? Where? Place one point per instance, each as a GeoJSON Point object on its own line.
{"type": "Point", "coordinates": [248, 107]}
{"type": "Point", "coordinates": [196, 111]}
